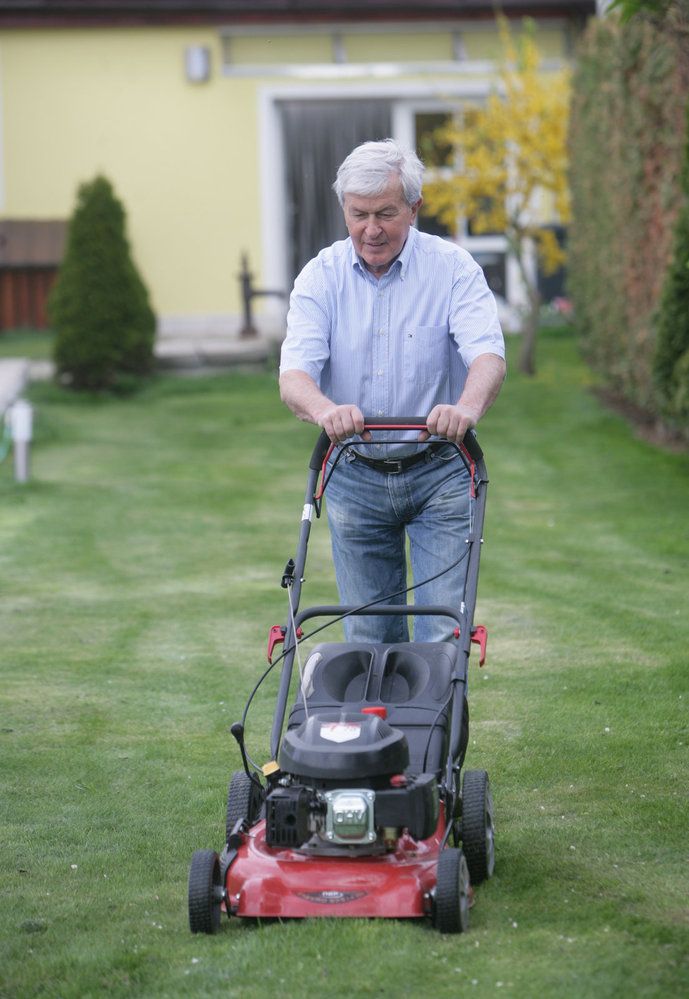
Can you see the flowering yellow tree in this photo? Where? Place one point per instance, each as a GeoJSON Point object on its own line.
{"type": "Point", "coordinates": [509, 159]}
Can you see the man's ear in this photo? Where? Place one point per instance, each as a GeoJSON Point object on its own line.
{"type": "Point", "coordinates": [415, 209]}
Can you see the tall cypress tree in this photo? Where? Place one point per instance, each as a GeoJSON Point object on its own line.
{"type": "Point", "coordinates": [99, 306]}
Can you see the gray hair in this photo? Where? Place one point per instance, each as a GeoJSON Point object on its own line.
{"type": "Point", "coordinates": [368, 169]}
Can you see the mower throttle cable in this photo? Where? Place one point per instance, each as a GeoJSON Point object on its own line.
{"type": "Point", "coordinates": [288, 575]}
{"type": "Point", "coordinates": [335, 620]}
{"type": "Point", "coordinates": [467, 461]}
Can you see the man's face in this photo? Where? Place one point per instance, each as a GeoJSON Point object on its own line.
{"type": "Point", "coordinates": [379, 226]}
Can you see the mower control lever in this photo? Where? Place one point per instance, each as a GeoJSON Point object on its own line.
{"type": "Point", "coordinates": [479, 636]}
{"type": "Point", "coordinates": [276, 636]}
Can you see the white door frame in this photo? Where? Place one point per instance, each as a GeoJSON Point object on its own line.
{"type": "Point", "coordinates": [406, 97]}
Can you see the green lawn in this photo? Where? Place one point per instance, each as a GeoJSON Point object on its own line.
{"type": "Point", "coordinates": [139, 575]}
{"type": "Point", "coordinates": [34, 344]}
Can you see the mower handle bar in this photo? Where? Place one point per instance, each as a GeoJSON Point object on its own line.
{"type": "Point", "coordinates": [470, 442]}
{"type": "Point", "coordinates": [385, 610]}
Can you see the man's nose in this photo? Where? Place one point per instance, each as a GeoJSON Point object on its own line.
{"type": "Point", "coordinates": [372, 226]}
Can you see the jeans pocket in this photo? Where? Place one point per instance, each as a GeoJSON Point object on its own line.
{"type": "Point", "coordinates": [444, 453]}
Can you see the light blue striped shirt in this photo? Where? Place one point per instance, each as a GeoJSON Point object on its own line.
{"type": "Point", "coordinates": [399, 345]}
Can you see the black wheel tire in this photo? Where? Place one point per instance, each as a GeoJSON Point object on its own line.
{"type": "Point", "coordinates": [451, 902]}
{"type": "Point", "coordinates": [205, 892]}
{"type": "Point", "coordinates": [244, 801]}
{"type": "Point", "coordinates": [478, 831]}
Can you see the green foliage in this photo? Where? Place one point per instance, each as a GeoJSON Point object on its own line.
{"type": "Point", "coordinates": [626, 144]}
{"type": "Point", "coordinates": [513, 150]}
{"type": "Point", "coordinates": [99, 306]}
{"type": "Point", "coordinates": [671, 363]}
{"type": "Point", "coordinates": [630, 8]}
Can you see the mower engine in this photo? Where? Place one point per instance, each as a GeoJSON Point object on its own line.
{"type": "Point", "coordinates": [343, 786]}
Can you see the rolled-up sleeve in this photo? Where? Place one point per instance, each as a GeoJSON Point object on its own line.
{"type": "Point", "coordinates": [474, 322]}
{"type": "Point", "coordinates": [306, 346]}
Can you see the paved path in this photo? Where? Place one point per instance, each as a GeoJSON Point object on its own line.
{"type": "Point", "coordinates": [173, 353]}
{"type": "Point", "coordinates": [14, 375]}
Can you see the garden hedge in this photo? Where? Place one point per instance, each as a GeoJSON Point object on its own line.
{"type": "Point", "coordinates": [627, 153]}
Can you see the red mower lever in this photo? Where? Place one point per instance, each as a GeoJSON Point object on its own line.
{"type": "Point", "coordinates": [276, 636]}
{"type": "Point", "coordinates": [479, 636]}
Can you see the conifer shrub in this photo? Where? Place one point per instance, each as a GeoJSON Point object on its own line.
{"type": "Point", "coordinates": [99, 306]}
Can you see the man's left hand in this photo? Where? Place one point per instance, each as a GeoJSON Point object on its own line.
{"type": "Point", "coordinates": [448, 421]}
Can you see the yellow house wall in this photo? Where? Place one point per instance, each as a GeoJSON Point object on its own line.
{"type": "Point", "coordinates": [181, 156]}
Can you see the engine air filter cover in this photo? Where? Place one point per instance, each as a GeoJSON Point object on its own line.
{"type": "Point", "coordinates": [344, 746]}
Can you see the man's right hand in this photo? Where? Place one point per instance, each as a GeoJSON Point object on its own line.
{"type": "Point", "coordinates": [306, 400]}
{"type": "Point", "coordinates": [342, 422]}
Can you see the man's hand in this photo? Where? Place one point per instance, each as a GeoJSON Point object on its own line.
{"type": "Point", "coordinates": [449, 421]}
{"type": "Point", "coordinates": [306, 400]}
{"type": "Point", "coordinates": [342, 422]}
{"type": "Point", "coordinates": [484, 379]}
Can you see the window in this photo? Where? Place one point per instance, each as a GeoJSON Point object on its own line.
{"type": "Point", "coordinates": [487, 248]}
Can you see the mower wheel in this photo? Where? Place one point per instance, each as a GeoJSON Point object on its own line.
{"type": "Point", "coordinates": [205, 892]}
{"type": "Point", "coordinates": [451, 902]}
{"type": "Point", "coordinates": [478, 832]}
{"type": "Point", "coordinates": [244, 801]}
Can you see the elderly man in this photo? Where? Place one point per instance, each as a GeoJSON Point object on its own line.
{"type": "Point", "coordinates": [393, 322]}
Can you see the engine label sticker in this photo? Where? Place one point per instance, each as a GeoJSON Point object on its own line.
{"type": "Point", "coordinates": [340, 731]}
{"type": "Point", "coordinates": [331, 897]}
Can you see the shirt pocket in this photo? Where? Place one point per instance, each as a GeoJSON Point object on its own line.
{"type": "Point", "coordinates": [427, 355]}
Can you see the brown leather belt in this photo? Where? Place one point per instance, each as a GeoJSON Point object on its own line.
{"type": "Point", "coordinates": [393, 466]}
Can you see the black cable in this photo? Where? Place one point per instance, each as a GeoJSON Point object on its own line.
{"type": "Point", "coordinates": [341, 617]}
{"type": "Point", "coordinates": [345, 447]}
{"type": "Point", "coordinates": [372, 603]}
{"type": "Point", "coordinates": [432, 728]}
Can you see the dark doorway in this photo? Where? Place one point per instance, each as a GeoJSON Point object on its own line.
{"type": "Point", "coordinates": [318, 135]}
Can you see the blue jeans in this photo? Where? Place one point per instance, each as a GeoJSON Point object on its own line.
{"type": "Point", "coordinates": [371, 514]}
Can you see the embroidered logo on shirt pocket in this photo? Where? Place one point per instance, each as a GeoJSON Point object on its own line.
{"type": "Point", "coordinates": [426, 355]}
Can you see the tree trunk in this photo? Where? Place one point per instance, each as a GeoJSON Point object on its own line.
{"type": "Point", "coordinates": [527, 356]}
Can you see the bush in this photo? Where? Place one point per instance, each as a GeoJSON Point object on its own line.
{"type": "Point", "coordinates": [627, 147]}
{"type": "Point", "coordinates": [99, 305]}
{"type": "Point", "coordinates": [671, 363]}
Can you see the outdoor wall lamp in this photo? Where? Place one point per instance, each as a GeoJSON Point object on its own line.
{"type": "Point", "coordinates": [197, 63]}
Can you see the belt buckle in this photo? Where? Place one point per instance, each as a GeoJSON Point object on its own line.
{"type": "Point", "coordinates": [393, 471]}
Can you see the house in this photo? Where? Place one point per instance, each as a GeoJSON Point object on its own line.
{"type": "Point", "coordinates": [220, 124]}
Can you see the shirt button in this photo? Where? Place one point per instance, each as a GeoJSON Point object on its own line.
{"type": "Point", "coordinates": [380, 371]}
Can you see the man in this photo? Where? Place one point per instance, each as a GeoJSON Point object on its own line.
{"type": "Point", "coordinates": [393, 322]}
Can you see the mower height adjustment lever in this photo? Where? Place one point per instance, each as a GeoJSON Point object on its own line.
{"type": "Point", "coordinates": [479, 636]}
{"type": "Point", "coordinates": [276, 636]}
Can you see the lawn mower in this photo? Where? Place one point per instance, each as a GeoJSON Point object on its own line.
{"type": "Point", "coordinates": [364, 810]}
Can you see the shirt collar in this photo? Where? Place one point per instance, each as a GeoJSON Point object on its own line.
{"type": "Point", "coordinates": [402, 261]}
